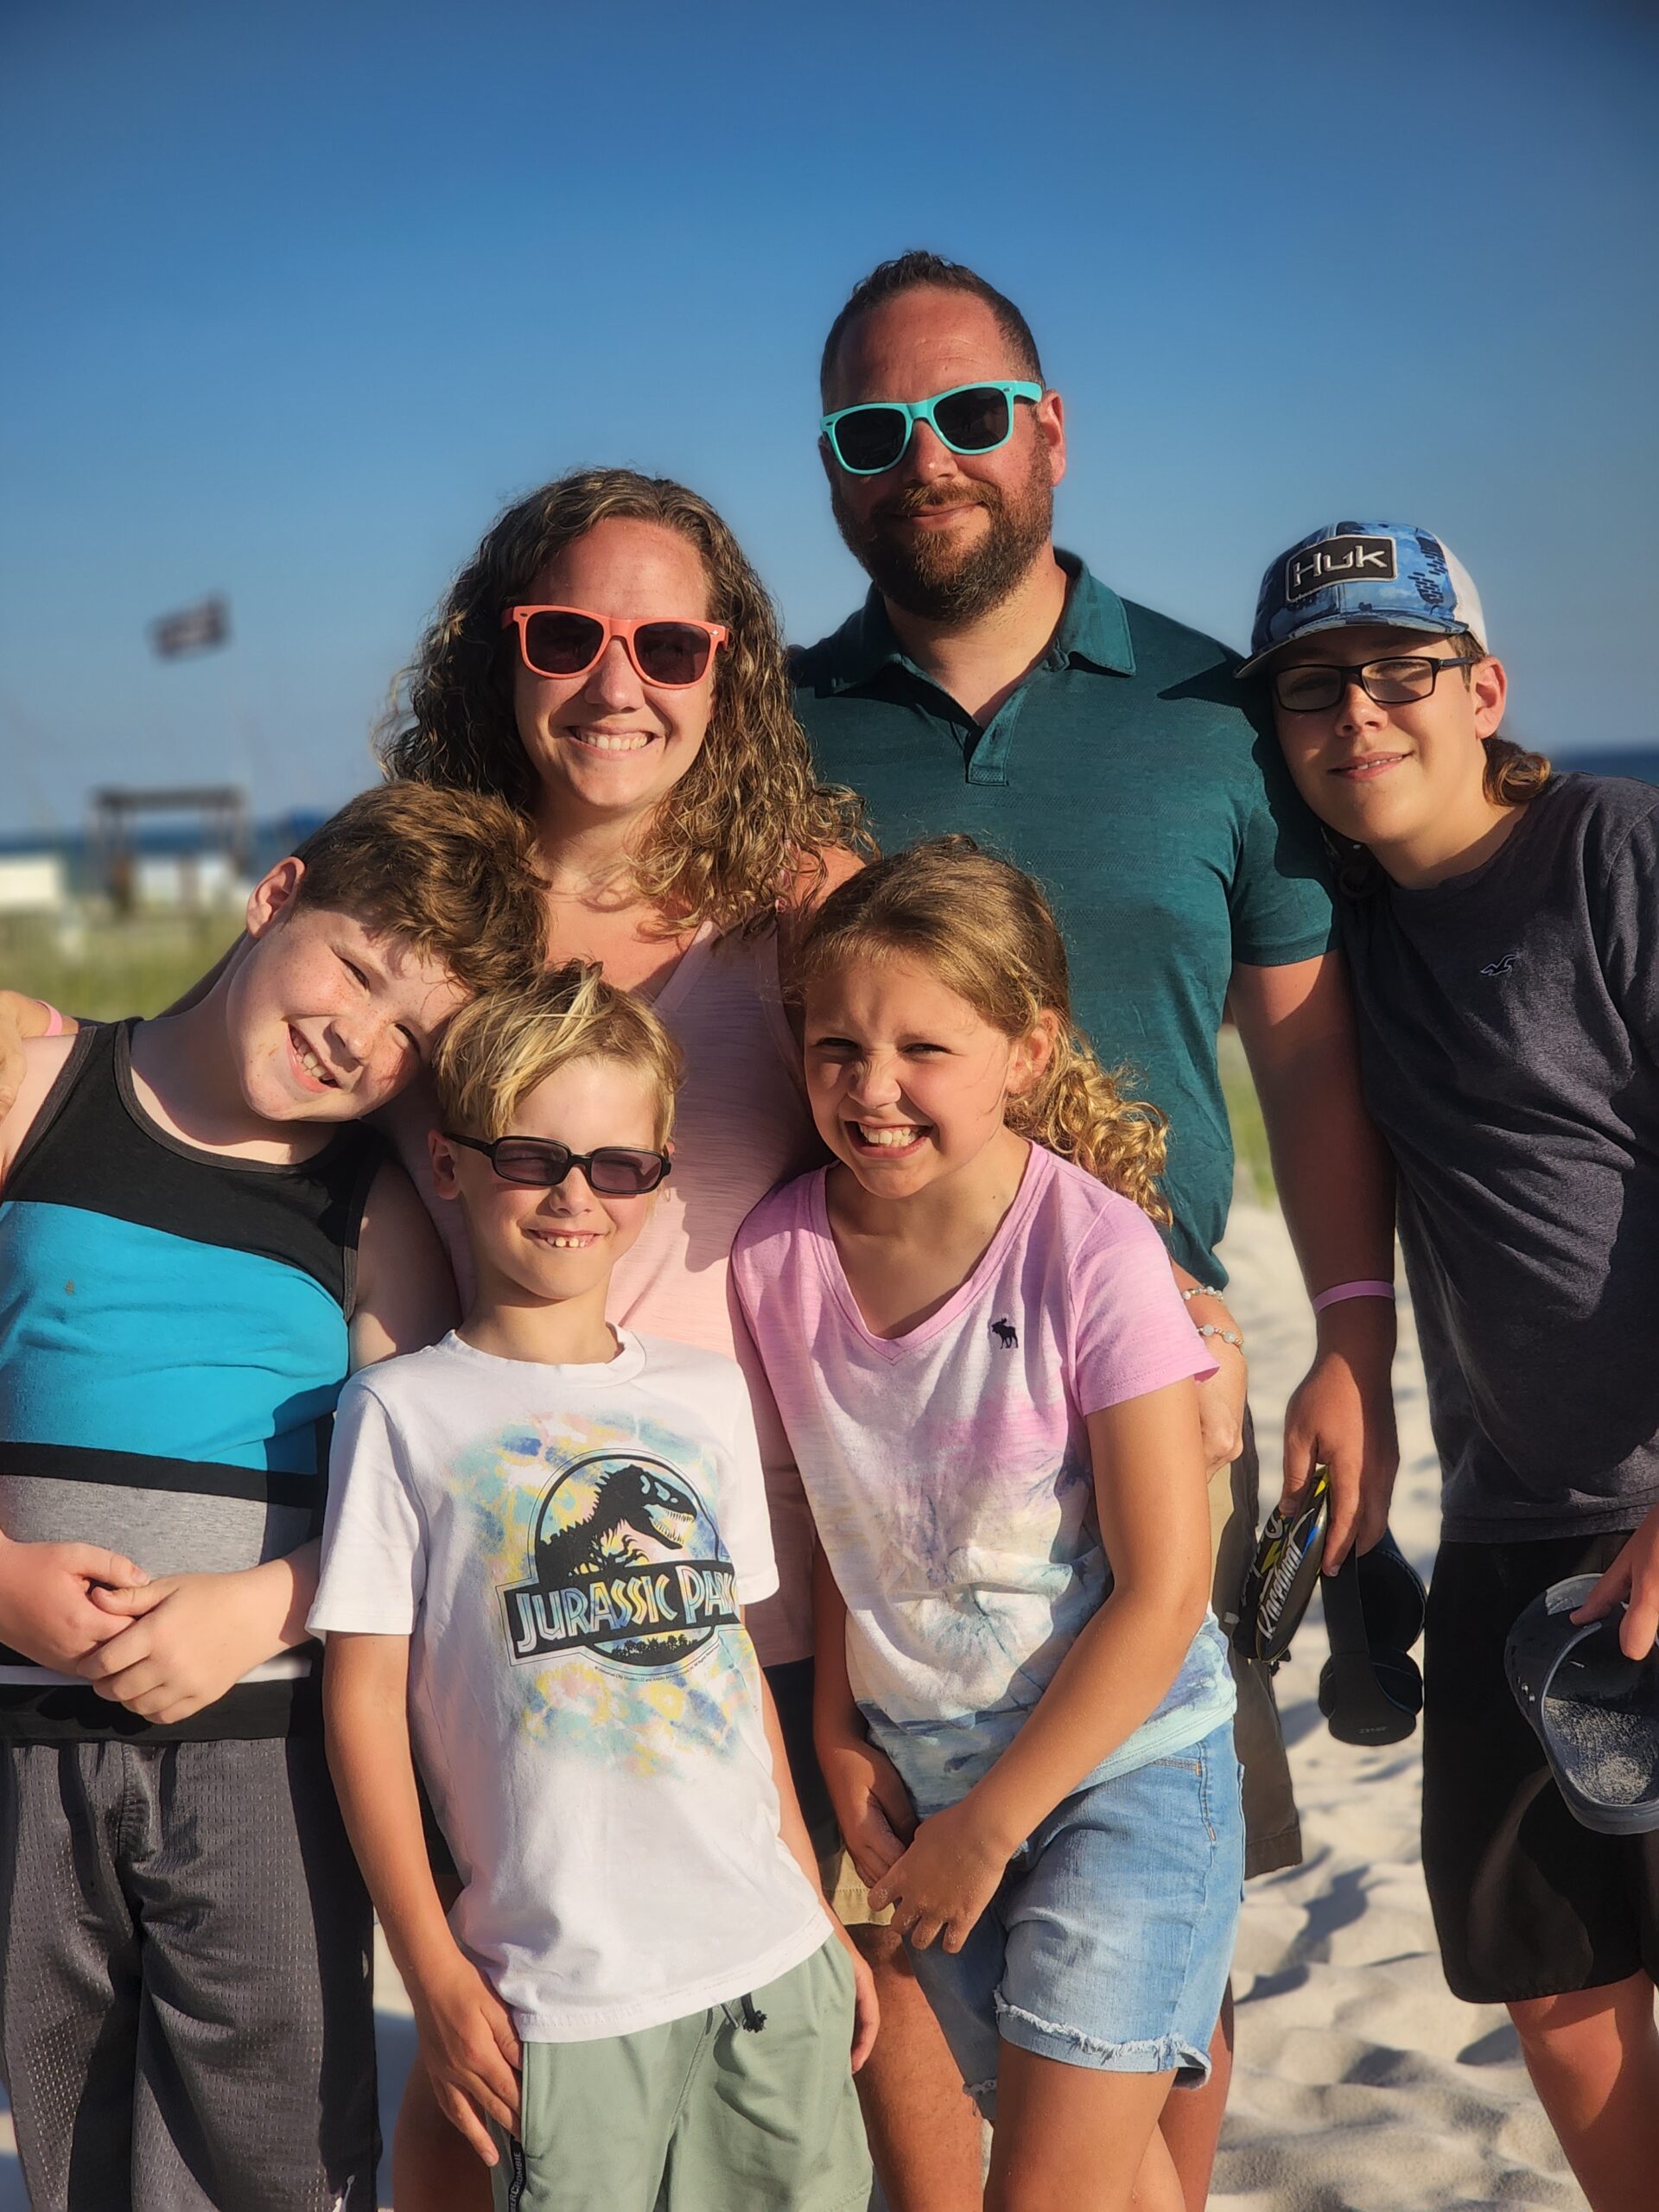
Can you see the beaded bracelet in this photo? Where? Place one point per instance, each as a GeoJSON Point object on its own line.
{"type": "Point", "coordinates": [1203, 1290]}
{"type": "Point", "coordinates": [1227, 1335]}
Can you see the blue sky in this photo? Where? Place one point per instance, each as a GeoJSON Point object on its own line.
{"type": "Point", "coordinates": [299, 294]}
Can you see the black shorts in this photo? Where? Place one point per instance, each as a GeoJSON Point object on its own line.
{"type": "Point", "coordinates": [1527, 1902]}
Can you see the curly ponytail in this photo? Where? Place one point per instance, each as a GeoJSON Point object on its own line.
{"type": "Point", "coordinates": [986, 931]}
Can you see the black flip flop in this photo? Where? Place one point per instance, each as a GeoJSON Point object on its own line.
{"type": "Point", "coordinates": [1283, 1576]}
{"type": "Point", "coordinates": [1595, 1712]}
{"type": "Point", "coordinates": [1370, 1691]}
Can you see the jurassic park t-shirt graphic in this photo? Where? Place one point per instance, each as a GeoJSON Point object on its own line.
{"type": "Point", "coordinates": [627, 1564]}
{"type": "Point", "coordinates": [566, 1549]}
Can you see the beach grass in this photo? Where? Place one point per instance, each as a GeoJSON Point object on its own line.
{"type": "Point", "coordinates": [101, 967]}
{"type": "Point", "coordinates": [1254, 1171]}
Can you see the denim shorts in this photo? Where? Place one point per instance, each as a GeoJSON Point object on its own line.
{"type": "Point", "coordinates": [1109, 1939]}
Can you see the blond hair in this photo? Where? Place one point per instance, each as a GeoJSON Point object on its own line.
{"type": "Point", "coordinates": [496, 1051]}
{"type": "Point", "coordinates": [451, 874]}
{"type": "Point", "coordinates": [984, 928]}
{"type": "Point", "coordinates": [748, 821]}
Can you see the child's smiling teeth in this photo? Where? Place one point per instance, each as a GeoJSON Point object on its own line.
{"type": "Point", "coordinates": [575, 1241]}
{"type": "Point", "coordinates": [886, 1138]}
{"type": "Point", "coordinates": [308, 1060]}
{"type": "Point", "coordinates": [628, 741]}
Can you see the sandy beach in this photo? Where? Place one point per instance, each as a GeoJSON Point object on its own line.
{"type": "Point", "coordinates": [1362, 2085]}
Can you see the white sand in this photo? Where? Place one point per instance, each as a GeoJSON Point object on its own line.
{"type": "Point", "coordinates": [1362, 2084]}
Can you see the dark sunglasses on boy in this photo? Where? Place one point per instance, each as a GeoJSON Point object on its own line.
{"type": "Point", "coordinates": [968, 418]}
{"type": "Point", "coordinates": [614, 1171]}
{"type": "Point", "coordinates": [568, 641]}
{"type": "Point", "coordinates": [1311, 687]}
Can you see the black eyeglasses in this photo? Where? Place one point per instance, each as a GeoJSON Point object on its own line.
{"type": "Point", "coordinates": [1310, 687]}
{"type": "Point", "coordinates": [616, 1171]}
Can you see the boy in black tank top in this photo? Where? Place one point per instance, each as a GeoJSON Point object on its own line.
{"type": "Point", "coordinates": [1502, 924]}
{"type": "Point", "coordinates": [199, 1240]}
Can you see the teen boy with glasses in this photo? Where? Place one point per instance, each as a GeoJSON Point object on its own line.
{"type": "Point", "coordinates": [1504, 934]}
{"type": "Point", "coordinates": [991, 684]}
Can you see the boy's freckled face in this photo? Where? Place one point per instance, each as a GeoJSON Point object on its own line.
{"type": "Point", "coordinates": [329, 1020]}
{"type": "Point", "coordinates": [907, 1080]}
{"type": "Point", "coordinates": [550, 1246]}
{"type": "Point", "coordinates": [1380, 774]}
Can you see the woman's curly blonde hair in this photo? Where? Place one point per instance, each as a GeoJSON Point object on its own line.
{"type": "Point", "coordinates": [986, 931]}
{"type": "Point", "coordinates": [747, 823]}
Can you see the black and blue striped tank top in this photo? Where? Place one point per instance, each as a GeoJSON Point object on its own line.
{"type": "Point", "coordinates": [172, 1338]}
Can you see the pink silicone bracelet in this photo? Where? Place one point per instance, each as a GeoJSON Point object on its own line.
{"type": "Point", "coordinates": [53, 1020]}
{"type": "Point", "coordinates": [1341, 1291]}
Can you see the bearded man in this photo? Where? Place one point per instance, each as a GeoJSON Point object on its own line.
{"type": "Point", "coordinates": [991, 684]}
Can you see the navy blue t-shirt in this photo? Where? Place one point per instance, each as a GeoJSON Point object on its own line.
{"type": "Point", "coordinates": [1508, 1023]}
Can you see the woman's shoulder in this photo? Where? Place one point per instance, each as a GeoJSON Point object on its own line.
{"type": "Point", "coordinates": [813, 878]}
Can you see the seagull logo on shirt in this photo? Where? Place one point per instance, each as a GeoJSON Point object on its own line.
{"type": "Point", "coordinates": [1497, 968]}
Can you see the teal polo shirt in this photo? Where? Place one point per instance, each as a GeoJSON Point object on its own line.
{"type": "Point", "coordinates": [1124, 774]}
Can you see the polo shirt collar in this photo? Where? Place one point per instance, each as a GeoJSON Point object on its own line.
{"type": "Point", "coordinates": [1094, 629]}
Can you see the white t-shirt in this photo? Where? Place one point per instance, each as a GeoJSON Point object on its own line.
{"type": "Point", "coordinates": [949, 1469]}
{"type": "Point", "coordinates": [567, 1549]}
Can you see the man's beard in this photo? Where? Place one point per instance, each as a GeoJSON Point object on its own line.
{"type": "Point", "coordinates": [924, 572]}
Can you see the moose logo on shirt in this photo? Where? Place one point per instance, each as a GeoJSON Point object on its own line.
{"type": "Point", "coordinates": [628, 1564]}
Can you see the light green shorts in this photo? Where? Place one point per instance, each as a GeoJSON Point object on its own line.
{"type": "Point", "coordinates": [700, 2115]}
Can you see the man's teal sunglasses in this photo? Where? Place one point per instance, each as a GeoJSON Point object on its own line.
{"type": "Point", "coordinates": [968, 418]}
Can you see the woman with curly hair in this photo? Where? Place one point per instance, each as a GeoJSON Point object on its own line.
{"type": "Point", "coordinates": [609, 663]}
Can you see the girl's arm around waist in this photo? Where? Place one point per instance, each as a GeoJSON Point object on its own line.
{"type": "Point", "coordinates": [467, 2034]}
{"type": "Point", "coordinates": [1155, 1524]}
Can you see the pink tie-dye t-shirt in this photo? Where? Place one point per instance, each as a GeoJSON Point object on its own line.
{"type": "Point", "coordinates": [949, 1469]}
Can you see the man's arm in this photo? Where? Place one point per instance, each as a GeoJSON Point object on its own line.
{"type": "Point", "coordinates": [1336, 1182]}
{"type": "Point", "coordinates": [467, 2034]}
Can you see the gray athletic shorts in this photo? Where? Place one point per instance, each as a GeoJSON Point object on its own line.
{"type": "Point", "coordinates": [187, 2012]}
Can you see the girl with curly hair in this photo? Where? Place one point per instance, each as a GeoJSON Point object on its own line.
{"type": "Point", "coordinates": [1023, 1710]}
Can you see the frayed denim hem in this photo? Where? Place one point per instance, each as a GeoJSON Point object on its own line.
{"type": "Point", "coordinates": [1155, 2054]}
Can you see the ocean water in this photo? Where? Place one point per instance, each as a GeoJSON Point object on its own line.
{"type": "Point", "coordinates": [1639, 761]}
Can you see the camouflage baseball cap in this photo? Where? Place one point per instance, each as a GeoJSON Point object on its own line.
{"type": "Point", "coordinates": [1355, 572]}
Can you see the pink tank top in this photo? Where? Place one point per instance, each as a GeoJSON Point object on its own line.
{"type": "Point", "coordinates": [742, 1128]}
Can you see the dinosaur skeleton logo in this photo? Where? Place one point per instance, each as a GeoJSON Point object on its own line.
{"type": "Point", "coordinates": [611, 1573]}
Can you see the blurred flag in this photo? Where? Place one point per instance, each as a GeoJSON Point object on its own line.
{"type": "Point", "coordinates": [193, 629]}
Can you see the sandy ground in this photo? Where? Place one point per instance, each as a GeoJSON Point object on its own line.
{"type": "Point", "coordinates": [1362, 2085]}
